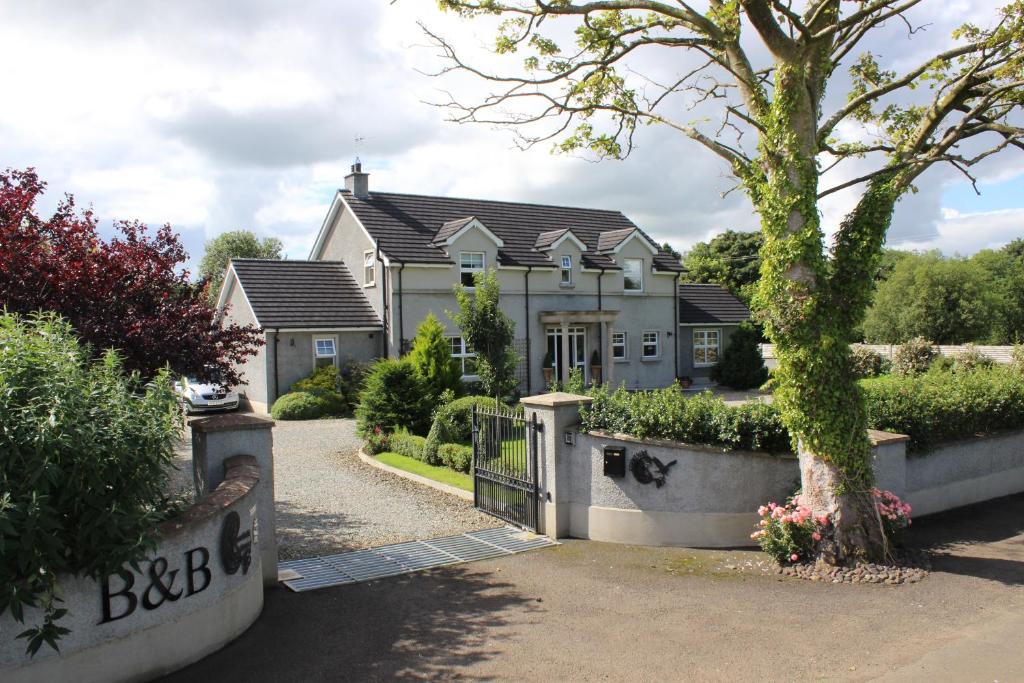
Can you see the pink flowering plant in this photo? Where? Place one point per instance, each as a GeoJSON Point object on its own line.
{"type": "Point", "coordinates": [789, 533]}
{"type": "Point", "coordinates": [894, 512]}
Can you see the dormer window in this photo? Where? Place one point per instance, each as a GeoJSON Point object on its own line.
{"type": "Point", "coordinates": [633, 274]}
{"type": "Point", "coordinates": [470, 263]}
{"type": "Point", "coordinates": [567, 270]}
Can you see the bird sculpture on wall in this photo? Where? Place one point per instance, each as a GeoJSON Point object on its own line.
{"type": "Point", "coordinates": [647, 468]}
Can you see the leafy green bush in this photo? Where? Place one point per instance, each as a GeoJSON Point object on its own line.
{"type": "Point", "coordinates": [345, 381]}
{"type": "Point", "coordinates": [868, 362]}
{"type": "Point", "coordinates": [456, 456]}
{"type": "Point", "coordinates": [945, 406]}
{"type": "Point", "coordinates": [86, 450]}
{"type": "Point", "coordinates": [409, 445]}
{"type": "Point", "coordinates": [453, 423]}
{"type": "Point", "coordinates": [971, 359]}
{"type": "Point", "coordinates": [741, 365]}
{"type": "Point", "coordinates": [1017, 358]}
{"type": "Point", "coordinates": [377, 441]}
{"type": "Point", "coordinates": [308, 405]}
{"type": "Point", "coordinates": [698, 419]}
{"type": "Point", "coordinates": [913, 357]}
{"type": "Point", "coordinates": [393, 396]}
{"type": "Point", "coordinates": [323, 378]}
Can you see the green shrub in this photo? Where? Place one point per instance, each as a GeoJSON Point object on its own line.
{"type": "Point", "coordinates": [945, 406]}
{"type": "Point", "coordinates": [698, 419]}
{"type": "Point", "coordinates": [868, 362]}
{"type": "Point", "coordinates": [431, 355]}
{"type": "Point", "coordinates": [393, 396]}
{"type": "Point", "coordinates": [409, 445]}
{"type": "Point", "coordinates": [971, 359]}
{"type": "Point", "coordinates": [1017, 358]}
{"type": "Point", "coordinates": [86, 450]}
{"type": "Point", "coordinates": [913, 357]}
{"type": "Point", "coordinates": [453, 423]}
{"type": "Point", "coordinates": [308, 405]}
{"type": "Point", "coordinates": [456, 456]}
{"type": "Point", "coordinates": [377, 441]}
{"type": "Point", "coordinates": [323, 378]}
{"type": "Point", "coordinates": [741, 365]}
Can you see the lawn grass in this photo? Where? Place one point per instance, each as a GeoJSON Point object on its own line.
{"type": "Point", "coordinates": [444, 475]}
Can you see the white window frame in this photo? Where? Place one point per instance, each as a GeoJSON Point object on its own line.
{"type": "Point", "coordinates": [644, 343]}
{"type": "Point", "coordinates": [704, 345]}
{"type": "Point", "coordinates": [566, 270]}
{"type": "Point", "coordinates": [463, 354]}
{"type": "Point", "coordinates": [369, 269]}
{"type": "Point", "coordinates": [624, 345]}
{"type": "Point", "coordinates": [640, 271]}
{"type": "Point", "coordinates": [318, 356]}
{"type": "Point", "coordinates": [463, 269]}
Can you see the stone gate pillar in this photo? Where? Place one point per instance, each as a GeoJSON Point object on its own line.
{"type": "Point", "coordinates": [219, 437]}
{"type": "Point", "coordinates": [557, 413]}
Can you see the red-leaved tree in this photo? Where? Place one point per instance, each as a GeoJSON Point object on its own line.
{"type": "Point", "coordinates": [126, 293]}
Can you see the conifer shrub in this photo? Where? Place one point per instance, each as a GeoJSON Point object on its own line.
{"type": "Point", "coordinates": [741, 365]}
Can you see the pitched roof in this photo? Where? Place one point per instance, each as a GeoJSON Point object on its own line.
{"type": "Point", "coordinates": [609, 240]}
{"type": "Point", "coordinates": [407, 224]}
{"type": "Point", "coordinates": [546, 239]}
{"type": "Point", "coordinates": [301, 294]}
{"type": "Point", "coordinates": [700, 303]}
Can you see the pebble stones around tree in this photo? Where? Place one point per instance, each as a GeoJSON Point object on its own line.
{"type": "Point", "coordinates": [911, 568]}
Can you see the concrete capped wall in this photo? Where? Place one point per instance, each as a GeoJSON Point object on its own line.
{"type": "Point", "coordinates": [710, 495]}
{"type": "Point", "coordinates": [208, 594]}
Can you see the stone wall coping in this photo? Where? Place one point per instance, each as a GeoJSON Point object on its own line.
{"type": "Point", "coordinates": [702, 448]}
{"type": "Point", "coordinates": [229, 423]}
{"type": "Point", "coordinates": [556, 399]}
{"type": "Point", "coordinates": [242, 473]}
{"type": "Point", "coordinates": [883, 438]}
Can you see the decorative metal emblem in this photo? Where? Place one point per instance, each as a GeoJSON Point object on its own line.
{"type": "Point", "coordinates": [235, 548]}
{"type": "Point", "coordinates": [647, 468]}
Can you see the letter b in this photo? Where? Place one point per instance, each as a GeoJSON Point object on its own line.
{"type": "Point", "coordinates": [125, 592]}
{"type": "Point", "coordinates": [192, 569]}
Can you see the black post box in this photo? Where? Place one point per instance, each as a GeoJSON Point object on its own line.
{"type": "Point", "coordinates": [614, 462]}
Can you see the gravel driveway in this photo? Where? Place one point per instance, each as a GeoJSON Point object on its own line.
{"type": "Point", "coordinates": [329, 501]}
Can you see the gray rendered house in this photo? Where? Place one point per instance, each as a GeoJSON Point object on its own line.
{"type": "Point", "coordinates": [573, 280]}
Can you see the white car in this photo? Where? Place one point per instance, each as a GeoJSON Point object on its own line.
{"type": "Point", "coordinates": [203, 398]}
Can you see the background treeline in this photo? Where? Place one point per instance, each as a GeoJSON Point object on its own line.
{"type": "Point", "coordinates": [945, 299]}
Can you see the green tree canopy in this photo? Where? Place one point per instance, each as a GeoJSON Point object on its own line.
{"type": "Point", "coordinates": [731, 259]}
{"type": "Point", "coordinates": [229, 245]}
{"type": "Point", "coordinates": [431, 356]}
{"type": "Point", "coordinates": [949, 300]}
{"type": "Point", "coordinates": [489, 332]}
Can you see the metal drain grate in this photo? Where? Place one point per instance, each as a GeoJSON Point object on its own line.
{"type": "Point", "coordinates": [413, 556]}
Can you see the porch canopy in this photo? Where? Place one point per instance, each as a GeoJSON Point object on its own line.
{"type": "Point", "coordinates": [563, 319]}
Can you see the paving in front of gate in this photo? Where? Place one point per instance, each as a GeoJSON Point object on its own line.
{"type": "Point", "coordinates": [403, 558]}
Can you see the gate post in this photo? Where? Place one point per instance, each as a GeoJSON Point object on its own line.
{"type": "Point", "coordinates": [555, 413]}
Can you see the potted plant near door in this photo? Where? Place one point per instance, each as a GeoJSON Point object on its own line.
{"type": "Point", "coordinates": [595, 367]}
{"type": "Point", "coordinates": [548, 367]}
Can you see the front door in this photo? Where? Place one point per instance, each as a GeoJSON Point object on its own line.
{"type": "Point", "coordinates": [577, 348]}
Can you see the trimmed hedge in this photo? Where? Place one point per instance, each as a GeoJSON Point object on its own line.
{"type": "Point", "coordinates": [308, 405]}
{"type": "Point", "coordinates": [409, 445]}
{"type": "Point", "coordinates": [701, 419]}
{"type": "Point", "coordinates": [456, 456]}
{"type": "Point", "coordinates": [946, 406]}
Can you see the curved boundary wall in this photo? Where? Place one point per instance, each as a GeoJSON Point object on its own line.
{"type": "Point", "coordinates": [708, 496]}
{"type": "Point", "coordinates": [199, 589]}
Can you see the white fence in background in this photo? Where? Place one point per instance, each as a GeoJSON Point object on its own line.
{"type": "Point", "coordinates": [1000, 354]}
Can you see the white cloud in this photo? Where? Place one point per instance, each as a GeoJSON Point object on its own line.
{"type": "Point", "coordinates": [226, 115]}
{"type": "Point", "coordinates": [967, 233]}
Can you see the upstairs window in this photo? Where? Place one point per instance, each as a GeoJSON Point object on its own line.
{"type": "Point", "coordinates": [465, 357]}
{"type": "Point", "coordinates": [706, 344]}
{"type": "Point", "coordinates": [633, 274]}
{"type": "Point", "coordinates": [567, 270]}
{"type": "Point", "coordinates": [619, 345]}
{"type": "Point", "coordinates": [324, 350]}
{"type": "Point", "coordinates": [652, 345]}
{"type": "Point", "coordinates": [369, 271]}
{"type": "Point", "coordinates": [470, 263]}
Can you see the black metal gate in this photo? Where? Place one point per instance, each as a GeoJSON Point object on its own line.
{"type": "Point", "coordinates": [505, 465]}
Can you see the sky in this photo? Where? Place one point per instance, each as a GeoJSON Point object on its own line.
{"type": "Point", "coordinates": [216, 116]}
